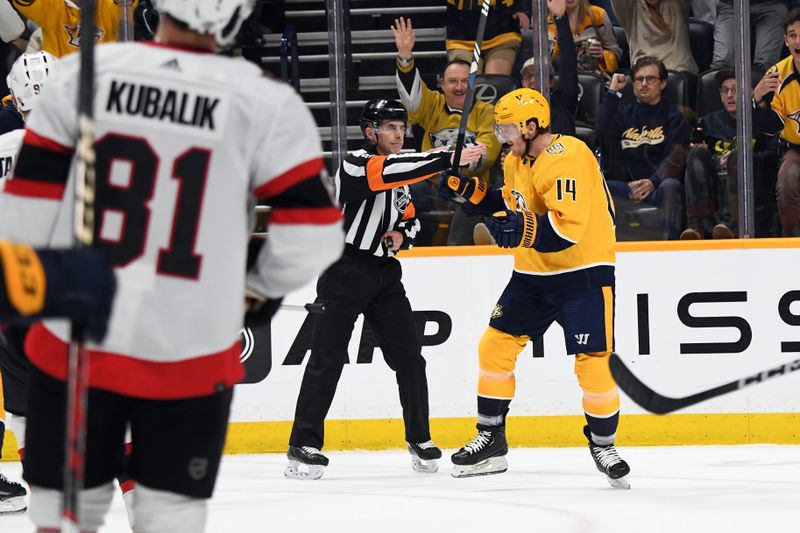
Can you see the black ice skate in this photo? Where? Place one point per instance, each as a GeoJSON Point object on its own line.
{"type": "Point", "coordinates": [424, 456]}
{"type": "Point", "coordinates": [12, 497]}
{"type": "Point", "coordinates": [609, 462]}
{"type": "Point", "coordinates": [484, 455]}
{"type": "Point", "coordinates": [305, 462]}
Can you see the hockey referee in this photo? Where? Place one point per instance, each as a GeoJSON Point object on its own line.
{"type": "Point", "coordinates": [372, 188]}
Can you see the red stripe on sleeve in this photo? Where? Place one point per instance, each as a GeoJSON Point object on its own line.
{"type": "Point", "coordinates": [317, 215]}
{"type": "Point", "coordinates": [34, 189]}
{"type": "Point", "coordinates": [291, 177]}
{"type": "Point", "coordinates": [123, 374]}
{"type": "Point", "coordinates": [34, 139]}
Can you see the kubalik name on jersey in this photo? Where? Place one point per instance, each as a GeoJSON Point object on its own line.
{"type": "Point", "coordinates": [162, 104]}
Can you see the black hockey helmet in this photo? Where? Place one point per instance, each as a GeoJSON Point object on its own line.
{"type": "Point", "coordinates": [379, 109]}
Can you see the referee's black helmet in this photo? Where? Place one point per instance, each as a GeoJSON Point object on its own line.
{"type": "Point", "coordinates": [379, 109]}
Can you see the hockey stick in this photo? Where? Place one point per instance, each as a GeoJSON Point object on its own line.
{"type": "Point", "coordinates": [473, 73]}
{"type": "Point", "coordinates": [661, 405]}
{"type": "Point", "coordinates": [315, 308]}
{"type": "Point", "coordinates": [126, 24]}
{"type": "Point", "coordinates": [78, 369]}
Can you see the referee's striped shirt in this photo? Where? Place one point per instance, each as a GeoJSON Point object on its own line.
{"type": "Point", "coordinates": [375, 198]}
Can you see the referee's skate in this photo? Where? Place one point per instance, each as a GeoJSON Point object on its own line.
{"type": "Point", "coordinates": [305, 462]}
{"type": "Point", "coordinates": [424, 456]}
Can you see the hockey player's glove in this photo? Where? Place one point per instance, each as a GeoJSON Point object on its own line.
{"type": "Point", "coordinates": [259, 308]}
{"type": "Point", "coordinates": [74, 284]}
{"type": "Point", "coordinates": [513, 229]}
{"type": "Point", "coordinates": [458, 187]}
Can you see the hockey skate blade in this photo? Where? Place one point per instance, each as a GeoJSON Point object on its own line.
{"type": "Point", "coordinates": [621, 483]}
{"type": "Point", "coordinates": [15, 505]}
{"type": "Point", "coordinates": [492, 465]}
{"type": "Point", "coordinates": [424, 467]}
{"type": "Point", "coordinates": [297, 470]}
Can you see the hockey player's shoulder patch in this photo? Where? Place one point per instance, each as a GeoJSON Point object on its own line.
{"type": "Point", "coordinates": [555, 149]}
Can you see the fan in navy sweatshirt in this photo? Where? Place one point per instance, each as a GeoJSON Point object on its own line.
{"type": "Point", "coordinates": [711, 172]}
{"type": "Point", "coordinates": [645, 143]}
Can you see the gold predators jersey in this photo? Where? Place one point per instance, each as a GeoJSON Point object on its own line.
{"type": "Point", "coordinates": [566, 190]}
{"type": "Point", "coordinates": [786, 101]}
{"type": "Point", "coordinates": [430, 111]}
{"type": "Point", "coordinates": [60, 21]}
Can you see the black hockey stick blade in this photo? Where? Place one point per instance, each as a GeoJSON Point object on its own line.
{"type": "Point", "coordinates": [656, 403]}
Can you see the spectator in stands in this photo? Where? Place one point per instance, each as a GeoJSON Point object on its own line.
{"type": "Point", "coordinates": [712, 183]}
{"type": "Point", "coordinates": [60, 22]}
{"type": "Point", "coordinates": [501, 38]}
{"type": "Point", "coordinates": [658, 28]}
{"type": "Point", "coordinates": [439, 114]}
{"type": "Point", "coordinates": [564, 92]}
{"type": "Point", "coordinates": [705, 10]}
{"type": "Point", "coordinates": [766, 17]}
{"type": "Point", "coordinates": [595, 43]}
{"type": "Point", "coordinates": [645, 143]}
{"type": "Point", "coordinates": [784, 97]}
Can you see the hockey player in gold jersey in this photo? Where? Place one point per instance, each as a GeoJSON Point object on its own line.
{"type": "Point", "coordinates": [60, 22]}
{"type": "Point", "coordinates": [556, 212]}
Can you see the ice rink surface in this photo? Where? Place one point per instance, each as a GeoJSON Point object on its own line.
{"type": "Point", "coordinates": [708, 489]}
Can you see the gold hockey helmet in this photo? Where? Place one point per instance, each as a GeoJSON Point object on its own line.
{"type": "Point", "coordinates": [520, 106]}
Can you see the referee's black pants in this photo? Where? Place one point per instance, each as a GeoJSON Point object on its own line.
{"type": "Point", "coordinates": [354, 285]}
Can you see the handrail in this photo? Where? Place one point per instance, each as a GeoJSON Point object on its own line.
{"type": "Point", "coordinates": [363, 56]}
{"type": "Point", "coordinates": [372, 11]}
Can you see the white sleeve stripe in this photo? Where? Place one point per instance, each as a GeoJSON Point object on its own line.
{"type": "Point", "coordinates": [356, 171]}
{"type": "Point", "coordinates": [410, 101]}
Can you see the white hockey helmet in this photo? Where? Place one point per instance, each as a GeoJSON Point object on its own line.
{"type": "Point", "coordinates": [220, 18]}
{"type": "Point", "coordinates": [27, 76]}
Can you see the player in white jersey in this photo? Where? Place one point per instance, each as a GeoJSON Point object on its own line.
{"type": "Point", "coordinates": [25, 81]}
{"type": "Point", "coordinates": [185, 139]}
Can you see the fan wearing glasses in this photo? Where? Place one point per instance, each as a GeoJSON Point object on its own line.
{"type": "Point", "coordinates": [645, 144]}
{"type": "Point", "coordinates": [712, 183]}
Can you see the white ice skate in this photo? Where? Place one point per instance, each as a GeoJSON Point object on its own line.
{"type": "Point", "coordinates": [424, 456]}
{"type": "Point", "coordinates": [305, 462]}
{"type": "Point", "coordinates": [492, 465]}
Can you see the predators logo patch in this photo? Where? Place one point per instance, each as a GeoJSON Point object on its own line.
{"type": "Point", "coordinates": [497, 312]}
{"type": "Point", "coordinates": [557, 148]}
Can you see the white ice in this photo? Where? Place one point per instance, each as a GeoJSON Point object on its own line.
{"type": "Point", "coordinates": [708, 489]}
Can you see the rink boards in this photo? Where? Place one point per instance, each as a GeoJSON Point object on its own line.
{"type": "Point", "coordinates": [689, 316]}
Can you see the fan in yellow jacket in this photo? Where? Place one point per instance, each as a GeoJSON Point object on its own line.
{"type": "Point", "coordinates": [556, 212]}
{"type": "Point", "coordinates": [60, 21]}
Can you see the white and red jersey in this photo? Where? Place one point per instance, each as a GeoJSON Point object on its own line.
{"type": "Point", "coordinates": [184, 141]}
{"type": "Point", "coordinates": [9, 148]}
